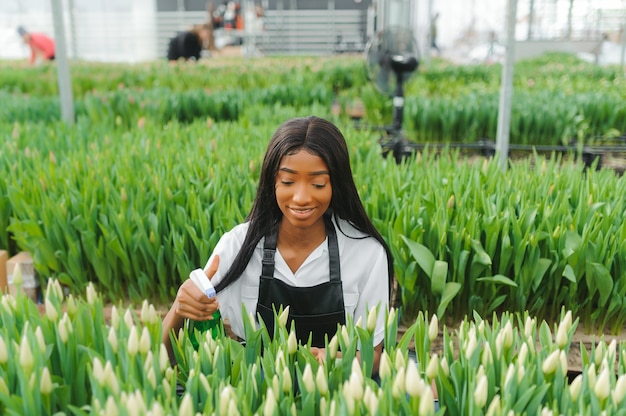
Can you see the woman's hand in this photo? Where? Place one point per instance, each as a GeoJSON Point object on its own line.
{"type": "Point", "coordinates": [191, 303]}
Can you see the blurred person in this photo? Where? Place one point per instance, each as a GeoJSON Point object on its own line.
{"type": "Point", "coordinates": [188, 45]}
{"type": "Point", "coordinates": [41, 46]}
{"type": "Point", "coordinates": [433, 33]}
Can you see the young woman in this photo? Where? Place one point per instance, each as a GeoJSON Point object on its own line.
{"type": "Point", "coordinates": [307, 243]}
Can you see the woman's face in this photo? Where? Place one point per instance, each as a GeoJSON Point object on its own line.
{"type": "Point", "coordinates": [303, 189]}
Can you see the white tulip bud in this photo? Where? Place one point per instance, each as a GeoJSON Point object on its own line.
{"type": "Point", "coordinates": [281, 320]}
{"type": "Point", "coordinates": [292, 343]}
{"type": "Point", "coordinates": [345, 335]}
{"type": "Point", "coordinates": [523, 353]}
{"type": "Point", "coordinates": [279, 361]}
{"type": "Point", "coordinates": [98, 371]}
{"type": "Point", "coordinates": [92, 295]}
{"type": "Point", "coordinates": [412, 383]}
{"type": "Point", "coordinates": [26, 356]}
{"type": "Point", "coordinates": [563, 360]}
{"type": "Point", "coordinates": [391, 317]}
{"type": "Point", "coordinates": [384, 366]}
{"type": "Point", "coordinates": [144, 312]}
{"type": "Point", "coordinates": [551, 363]}
{"type": "Point", "coordinates": [45, 383]}
{"type": "Point", "coordinates": [51, 313]}
{"type": "Point", "coordinates": [110, 407]}
{"type": "Point", "coordinates": [359, 322]}
{"type": "Point", "coordinates": [561, 336]}
{"type": "Point", "coordinates": [71, 307]}
{"type": "Point", "coordinates": [269, 407]}
{"type": "Point", "coordinates": [508, 334]}
{"type": "Point", "coordinates": [112, 338]}
{"type": "Point", "coordinates": [115, 317]}
{"type": "Point", "coordinates": [307, 378]}
{"type": "Point", "coordinates": [510, 372]}
{"type": "Point", "coordinates": [574, 388]}
{"type": "Point", "coordinates": [495, 407]}
{"type": "Point", "coordinates": [144, 342]}
{"type": "Point", "coordinates": [371, 401]}
{"type": "Point", "coordinates": [602, 388]}
{"type": "Point", "coordinates": [481, 328]}
{"type": "Point", "coordinates": [333, 347]}
{"type": "Point", "coordinates": [372, 319]}
{"type": "Point", "coordinates": [567, 320]}
{"type": "Point", "coordinates": [398, 387]}
{"type": "Point", "coordinates": [41, 342]}
{"type": "Point", "coordinates": [164, 359]}
{"type": "Point", "coordinates": [481, 391]}
{"type": "Point", "coordinates": [486, 355]}
{"type": "Point", "coordinates": [4, 352]}
{"type": "Point", "coordinates": [287, 382]}
{"type": "Point", "coordinates": [399, 361]}
{"type": "Point", "coordinates": [529, 326]}
{"type": "Point", "coordinates": [320, 380]}
{"type": "Point", "coordinates": [620, 390]}
{"type": "Point", "coordinates": [470, 344]}
{"type": "Point", "coordinates": [186, 406]}
{"type": "Point", "coordinates": [110, 378]}
{"type": "Point", "coordinates": [355, 384]}
{"type": "Point", "coordinates": [433, 367]}
{"type": "Point", "coordinates": [433, 328]}
{"type": "Point", "coordinates": [225, 398]}
{"type": "Point", "coordinates": [427, 403]}
{"type": "Point", "coordinates": [444, 366]}
{"type": "Point", "coordinates": [591, 375]}
{"type": "Point", "coordinates": [151, 377]}
{"type": "Point", "coordinates": [133, 341]}
{"type": "Point", "coordinates": [128, 319]}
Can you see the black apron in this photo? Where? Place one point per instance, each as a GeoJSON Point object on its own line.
{"type": "Point", "coordinates": [316, 310]}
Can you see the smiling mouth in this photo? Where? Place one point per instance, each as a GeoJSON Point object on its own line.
{"type": "Point", "coordinates": [298, 211]}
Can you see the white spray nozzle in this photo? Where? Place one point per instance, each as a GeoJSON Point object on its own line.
{"type": "Point", "coordinates": [202, 282]}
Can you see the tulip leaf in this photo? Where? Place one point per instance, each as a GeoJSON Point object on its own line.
{"type": "Point", "coordinates": [498, 278]}
{"type": "Point", "coordinates": [450, 291]}
{"type": "Point", "coordinates": [422, 255]}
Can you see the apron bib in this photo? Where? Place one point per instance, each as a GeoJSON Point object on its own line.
{"type": "Point", "coordinates": [316, 310]}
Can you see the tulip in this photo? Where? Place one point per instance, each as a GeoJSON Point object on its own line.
{"type": "Point", "coordinates": [144, 312]}
{"type": "Point", "coordinates": [398, 386]}
{"type": "Point", "coordinates": [561, 336]}
{"type": "Point", "coordinates": [128, 319]}
{"type": "Point", "coordinates": [372, 319]}
{"type": "Point", "coordinates": [26, 356]}
{"type": "Point", "coordinates": [620, 390]}
{"type": "Point", "coordinates": [391, 317]}
{"type": "Point", "coordinates": [320, 380]}
{"type": "Point", "coordinates": [115, 317]}
{"type": "Point", "coordinates": [71, 307]}
{"type": "Point", "coordinates": [444, 366]}
{"type": "Point", "coordinates": [98, 371]}
{"type": "Point", "coordinates": [523, 353]}
{"type": "Point", "coordinates": [92, 295]}
{"type": "Point", "coordinates": [433, 328]}
{"type": "Point", "coordinates": [563, 360]}
{"type": "Point", "coordinates": [508, 335]}
{"type": "Point", "coordinates": [480, 393]}
{"type": "Point", "coordinates": [292, 343]}
{"type": "Point", "coordinates": [399, 361]}
{"type": "Point", "coordinates": [333, 347]}
{"type": "Point", "coordinates": [225, 398]}
{"type": "Point", "coordinates": [281, 321]}
{"type": "Point", "coordinates": [133, 341]}
{"type": "Point", "coordinates": [51, 313]}
{"type": "Point", "coordinates": [307, 378]}
{"type": "Point", "coordinates": [345, 335]}
{"type": "Point", "coordinates": [602, 388]}
{"type": "Point", "coordinates": [384, 366]}
{"type": "Point", "coordinates": [412, 383]}
{"type": "Point", "coordinates": [41, 342]}
{"type": "Point", "coordinates": [4, 352]}
{"type": "Point", "coordinates": [574, 388]}
{"type": "Point", "coordinates": [45, 383]}
{"type": "Point", "coordinates": [269, 407]}
{"type": "Point", "coordinates": [470, 344]}
{"type": "Point", "coordinates": [529, 325]}
{"type": "Point", "coordinates": [110, 407]}
{"type": "Point", "coordinates": [112, 338]}
{"type": "Point", "coordinates": [551, 363]}
{"type": "Point", "coordinates": [591, 375]}
{"type": "Point", "coordinates": [486, 355]}
{"type": "Point", "coordinates": [371, 401]}
{"type": "Point", "coordinates": [144, 341]}
{"type": "Point", "coordinates": [598, 354]}
{"type": "Point", "coordinates": [433, 367]}
{"type": "Point", "coordinates": [495, 407]}
{"type": "Point", "coordinates": [287, 383]}
{"type": "Point", "coordinates": [186, 406]}
{"type": "Point", "coordinates": [427, 403]}
{"type": "Point", "coordinates": [279, 361]}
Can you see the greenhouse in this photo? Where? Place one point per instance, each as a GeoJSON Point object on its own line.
{"type": "Point", "coordinates": [313, 207]}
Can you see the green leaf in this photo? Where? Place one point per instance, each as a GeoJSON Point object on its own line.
{"type": "Point", "coordinates": [450, 291]}
{"type": "Point", "coordinates": [422, 255]}
{"type": "Point", "coordinates": [498, 278]}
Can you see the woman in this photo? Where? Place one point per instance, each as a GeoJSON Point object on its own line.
{"type": "Point", "coordinates": [188, 45]}
{"type": "Point", "coordinates": [41, 46]}
{"type": "Point", "coordinates": [307, 243]}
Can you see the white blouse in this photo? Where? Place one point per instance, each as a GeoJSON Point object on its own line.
{"type": "Point", "coordinates": [364, 275]}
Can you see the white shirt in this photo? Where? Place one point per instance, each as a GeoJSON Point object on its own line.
{"type": "Point", "coordinates": [364, 275]}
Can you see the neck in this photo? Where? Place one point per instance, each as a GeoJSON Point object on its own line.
{"type": "Point", "coordinates": [293, 236]}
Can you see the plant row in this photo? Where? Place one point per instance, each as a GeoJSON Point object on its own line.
{"type": "Point", "coordinates": [71, 359]}
{"type": "Point", "coordinates": [558, 100]}
{"type": "Point", "coordinates": [133, 211]}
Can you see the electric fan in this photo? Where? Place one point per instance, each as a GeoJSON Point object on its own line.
{"type": "Point", "coordinates": [392, 56]}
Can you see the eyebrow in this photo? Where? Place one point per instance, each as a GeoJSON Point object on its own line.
{"type": "Point", "coordinates": [316, 173]}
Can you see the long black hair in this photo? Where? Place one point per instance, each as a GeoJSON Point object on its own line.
{"type": "Point", "coordinates": [322, 138]}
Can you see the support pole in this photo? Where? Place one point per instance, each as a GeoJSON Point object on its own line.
{"type": "Point", "coordinates": [63, 69]}
{"type": "Point", "coordinates": [506, 88]}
